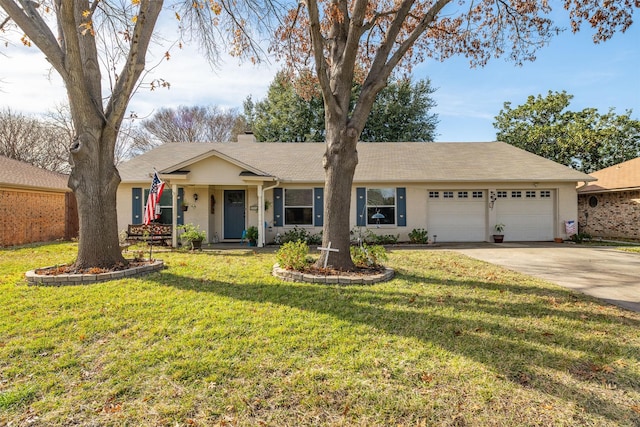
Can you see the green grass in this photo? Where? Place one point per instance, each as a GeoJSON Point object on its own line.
{"type": "Point", "coordinates": [215, 340]}
{"type": "Point", "coordinates": [635, 249]}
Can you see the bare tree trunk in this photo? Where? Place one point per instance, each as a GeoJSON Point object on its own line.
{"type": "Point", "coordinates": [94, 180]}
{"type": "Point", "coordinates": [340, 160]}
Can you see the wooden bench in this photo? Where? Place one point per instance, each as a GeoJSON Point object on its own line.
{"type": "Point", "coordinates": [162, 233]}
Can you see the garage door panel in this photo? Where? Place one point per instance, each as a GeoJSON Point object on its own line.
{"type": "Point", "coordinates": [457, 219]}
{"type": "Point", "coordinates": [526, 218]}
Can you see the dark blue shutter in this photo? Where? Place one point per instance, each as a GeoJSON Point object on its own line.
{"type": "Point", "coordinates": [361, 204]}
{"type": "Point", "coordinates": [318, 206]}
{"type": "Point", "coordinates": [401, 194]}
{"type": "Point", "coordinates": [179, 206]}
{"type": "Point", "coordinates": [278, 207]}
{"type": "Point", "coordinates": [136, 206]}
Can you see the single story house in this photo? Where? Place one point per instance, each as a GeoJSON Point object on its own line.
{"type": "Point", "coordinates": [610, 207]}
{"type": "Point", "coordinates": [457, 191]}
{"type": "Point", "coordinates": [35, 204]}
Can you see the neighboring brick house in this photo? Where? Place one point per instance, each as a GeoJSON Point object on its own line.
{"type": "Point", "coordinates": [610, 207]}
{"type": "Point", "coordinates": [35, 205]}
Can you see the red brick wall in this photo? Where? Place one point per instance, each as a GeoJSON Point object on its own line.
{"type": "Point", "coordinates": [616, 215]}
{"type": "Point", "coordinates": [31, 216]}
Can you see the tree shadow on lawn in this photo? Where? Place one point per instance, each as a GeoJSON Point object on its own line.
{"type": "Point", "coordinates": [517, 353]}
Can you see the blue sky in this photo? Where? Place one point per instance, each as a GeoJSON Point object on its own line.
{"type": "Point", "coordinates": [600, 76]}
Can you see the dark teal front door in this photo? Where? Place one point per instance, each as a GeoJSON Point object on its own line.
{"type": "Point", "coordinates": [233, 214]}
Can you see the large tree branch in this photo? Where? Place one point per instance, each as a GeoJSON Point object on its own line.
{"type": "Point", "coordinates": [317, 43]}
{"type": "Point", "coordinates": [420, 29]}
{"type": "Point", "coordinates": [4, 22]}
{"type": "Point", "coordinates": [354, 33]}
{"type": "Point", "coordinates": [135, 63]}
{"type": "Point", "coordinates": [80, 82]}
{"type": "Point", "coordinates": [383, 65]}
{"type": "Point", "coordinates": [30, 21]}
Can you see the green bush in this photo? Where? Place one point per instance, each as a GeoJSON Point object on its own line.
{"type": "Point", "coordinates": [382, 239]}
{"type": "Point", "coordinates": [368, 256]}
{"type": "Point", "coordinates": [293, 255]}
{"type": "Point", "coordinates": [315, 239]}
{"type": "Point", "coordinates": [419, 235]}
{"type": "Point", "coordinates": [301, 235]}
{"type": "Point", "coordinates": [295, 235]}
{"type": "Point", "coordinates": [364, 235]}
{"type": "Point", "coordinates": [580, 237]}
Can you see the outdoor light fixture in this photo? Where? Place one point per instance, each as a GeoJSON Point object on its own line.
{"type": "Point", "coordinates": [195, 197]}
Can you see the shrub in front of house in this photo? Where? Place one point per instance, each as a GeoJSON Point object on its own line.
{"type": "Point", "coordinates": [297, 234]}
{"type": "Point", "coordinates": [368, 256]}
{"type": "Point", "coordinates": [419, 235]}
{"type": "Point", "coordinates": [293, 255]}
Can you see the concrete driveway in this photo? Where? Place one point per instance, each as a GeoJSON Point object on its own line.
{"type": "Point", "coordinates": [603, 272]}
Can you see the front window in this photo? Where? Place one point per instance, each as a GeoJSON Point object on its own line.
{"type": "Point", "coordinates": [166, 207]}
{"type": "Point", "coordinates": [298, 206]}
{"type": "Point", "coordinates": [381, 206]}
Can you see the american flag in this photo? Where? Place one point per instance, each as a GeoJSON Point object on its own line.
{"type": "Point", "coordinates": [570, 227]}
{"type": "Point", "coordinates": [152, 211]}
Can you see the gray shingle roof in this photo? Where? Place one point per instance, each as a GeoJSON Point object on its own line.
{"type": "Point", "coordinates": [388, 161]}
{"type": "Point", "coordinates": [14, 173]}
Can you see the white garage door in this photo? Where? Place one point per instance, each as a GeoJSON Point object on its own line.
{"type": "Point", "coordinates": [457, 216]}
{"type": "Point", "coordinates": [527, 214]}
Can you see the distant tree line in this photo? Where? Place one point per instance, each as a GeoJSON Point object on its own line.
{"type": "Point", "coordinates": [584, 140]}
{"type": "Point", "coordinates": [401, 112]}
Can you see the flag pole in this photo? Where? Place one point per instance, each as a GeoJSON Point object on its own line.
{"type": "Point", "coordinates": [152, 209]}
{"type": "Point", "coordinates": [151, 242]}
{"type": "Point", "coordinates": [152, 220]}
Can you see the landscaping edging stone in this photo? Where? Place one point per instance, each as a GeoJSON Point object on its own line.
{"type": "Point", "coordinates": [82, 279]}
{"type": "Point", "coordinates": [347, 279]}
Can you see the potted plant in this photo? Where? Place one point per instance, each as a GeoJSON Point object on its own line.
{"type": "Point", "coordinates": [252, 235]}
{"type": "Point", "coordinates": [184, 207]}
{"type": "Point", "coordinates": [193, 235]}
{"type": "Point", "coordinates": [499, 237]}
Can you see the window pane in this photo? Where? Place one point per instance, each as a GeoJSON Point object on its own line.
{"type": "Point", "coordinates": [165, 199]}
{"type": "Point", "coordinates": [302, 197]}
{"type": "Point", "coordinates": [166, 216]}
{"type": "Point", "coordinates": [298, 216]}
{"type": "Point", "coordinates": [381, 197]}
{"type": "Point", "coordinates": [166, 212]}
{"type": "Point", "coordinates": [388, 213]}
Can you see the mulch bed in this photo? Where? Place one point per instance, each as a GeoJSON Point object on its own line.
{"type": "Point", "coordinates": [71, 269]}
{"type": "Point", "coordinates": [358, 272]}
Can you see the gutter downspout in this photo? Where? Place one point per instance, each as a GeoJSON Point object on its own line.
{"type": "Point", "coordinates": [261, 230]}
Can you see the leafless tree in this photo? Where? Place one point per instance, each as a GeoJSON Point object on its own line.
{"type": "Point", "coordinates": [193, 124]}
{"type": "Point", "coordinates": [32, 140]}
{"type": "Point", "coordinates": [101, 46]}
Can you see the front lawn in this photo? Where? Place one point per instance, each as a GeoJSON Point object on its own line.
{"type": "Point", "coordinates": [215, 340]}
